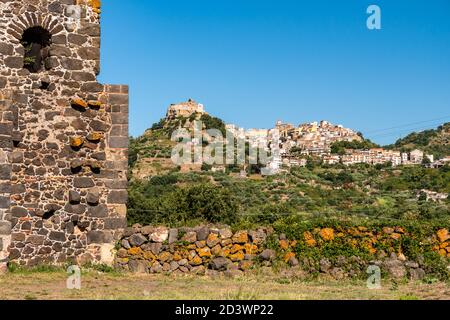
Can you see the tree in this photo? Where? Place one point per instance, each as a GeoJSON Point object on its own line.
{"type": "Point", "coordinates": [426, 161]}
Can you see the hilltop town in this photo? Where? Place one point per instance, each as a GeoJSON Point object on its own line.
{"type": "Point", "coordinates": [329, 143]}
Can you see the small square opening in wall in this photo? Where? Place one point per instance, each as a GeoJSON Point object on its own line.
{"type": "Point", "coordinates": [44, 85]}
{"type": "Point", "coordinates": [36, 41]}
{"type": "Point", "coordinates": [49, 214]}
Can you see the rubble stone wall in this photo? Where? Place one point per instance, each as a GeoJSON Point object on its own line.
{"type": "Point", "coordinates": [217, 250]}
{"type": "Point", "coordinates": [63, 139]}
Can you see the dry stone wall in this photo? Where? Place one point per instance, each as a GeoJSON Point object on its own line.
{"type": "Point", "coordinates": [63, 137]}
{"type": "Point", "coordinates": [210, 250]}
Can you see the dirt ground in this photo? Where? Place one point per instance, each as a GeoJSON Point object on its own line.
{"type": "Point", "coordinates": [106, 286]}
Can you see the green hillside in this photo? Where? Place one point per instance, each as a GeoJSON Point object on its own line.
{"type": "Point", "coordinates": [163, 193]}
{"type": "Point", "coordinates": [150, 153]}
{"type": "Point", "coordinates": [435, 141]}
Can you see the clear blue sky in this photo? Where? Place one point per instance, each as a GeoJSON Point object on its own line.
{"type": "Point", "coordinates": [251, 62]}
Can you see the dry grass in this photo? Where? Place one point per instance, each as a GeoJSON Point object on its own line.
{"type": "Point", "coordinates": [52, 285]}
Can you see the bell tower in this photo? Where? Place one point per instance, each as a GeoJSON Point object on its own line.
{"type": "Point", "coordinates": [63, 136]}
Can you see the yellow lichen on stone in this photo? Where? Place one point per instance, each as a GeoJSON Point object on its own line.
{"type": "Point", "coordinates": [236, 248]}
{"type": "Point", "coordinates": [443, 235]}
{"type": "Point", "coordinates": [400, 230]}
{"type": "Point", "coordinates": [240, 237]}
{"type": "Point", "coordinates": [149, 256]}
{"type": "Point", "coordinates": [177, 256]}
{"type": "Point", "coordinates": [288, 256]}
{"type": "Point", "coordinates": [238, 256]}
{"type": "Point", "coordinates": [95, 136]}
{"type": "Point", "coordinates": [284, 244]}
{"type": "Point", "coordinates": [444, 245]}
{"type": "Point", "coordinates": [250, 248]}
{"type": "Point", "coordinates": [396, 236]}
{"type": "Point", "coordinates": [94, 104]}
{"type": "Point", "coordinates": [80, 103]}
{"type": "Point", "coordinates": [76, 142]}
{"type": "Point", "coordinates": [204, 252]}
{"type": "Point", "coordinates": [309, 239]}
{"type": "Point", "coordinates": [95, 5]}
{"type": "Point", "coordinates": [225, 253]}
{"type": "Point", "coordinates": [165, 256]}
{"type": "Point", "coordinates": [216, 250]}
{"type": "Point", "coordinates": [196, 261]}
{"type": "Point", "coordinates": [135, 251]}
{"type": "Point", "coordinates": [327, 234]}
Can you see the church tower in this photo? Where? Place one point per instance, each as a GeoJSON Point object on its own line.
{"type": "Point", "coordinates": [63, 136]}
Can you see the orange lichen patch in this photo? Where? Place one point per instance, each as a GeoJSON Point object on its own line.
{"type": "Point", "coordinates": [236, 248]}
{"type": "Point", "coordinates": [76, 142]}
{"type": "Point", "coordinates": [216, 250]}
{"type": "Point", "coordinates": [396, 236]}
{"type": "Point", "coordinates": [95, 136]}
{"type": "Point", "coordinates": [135, 251]}
{"type": "Point", "coordinates": [225, 253]}
{"type": "Point", "coordinates": [238, 256]}
{"type": "Point", "coordinates": [309, 239]}
{"type": "Point", "coordinates": [149, 255]}
{"type": "Point", "coordinates": [94, 4]}
{"type": "Point", "coordinates": [340, 235]}
{"type": "Point", "coordinates": [123, 260]}
{"type": "Point", "coordinates": [79, 103]}
{"type": "Point", "coordinates": [94, 104]}
{"type": "Point", "coordinates": [400, 230]}
{"type": "Point", "coordinates": [165, 256]}
{"type": "Point", "coordinates": [213, 239]}
{"type": "Point", "coordinates": [177, 256]}
{"type": "Point", "coordinates": [443, 252]}
{"type": "Point", "coordinates": [288, 256]}
{"type": "Point", "coordinates": [293, 243]}
{"type": "Point", "coordinates": [284, 244]}
{"type": "Point", "coordinates": [327, 234]}
{"type": "Point", "coordinates": [250, 248]}
{"type": "Point", "coordinates": [240, 237]}
{"type": "Point", "coordinates": [196, 261]}
{"type": "Point", "coordinates": [443, 235]}
{"type": "Point", "coordinates": [204, 252]}
{"type": "Point", "coordinates": [443, 245]}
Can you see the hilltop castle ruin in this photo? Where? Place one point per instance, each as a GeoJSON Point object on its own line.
{"type": "Point", "coordinates": [63, 136]}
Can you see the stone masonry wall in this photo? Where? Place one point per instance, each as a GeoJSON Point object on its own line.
{"type": "Point", "coordinates": [214, 250]}
{"type": "Point", "coordinates": [63, 139]}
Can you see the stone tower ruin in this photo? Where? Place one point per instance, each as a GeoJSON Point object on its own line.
{"type": "Point", "coordinates": [63, 136]}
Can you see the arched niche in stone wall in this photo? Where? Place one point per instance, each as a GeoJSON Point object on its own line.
{"type": "Point", "coordinates": [35, 41]}
{"type": "Point", "coordinates": [35, 33]}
